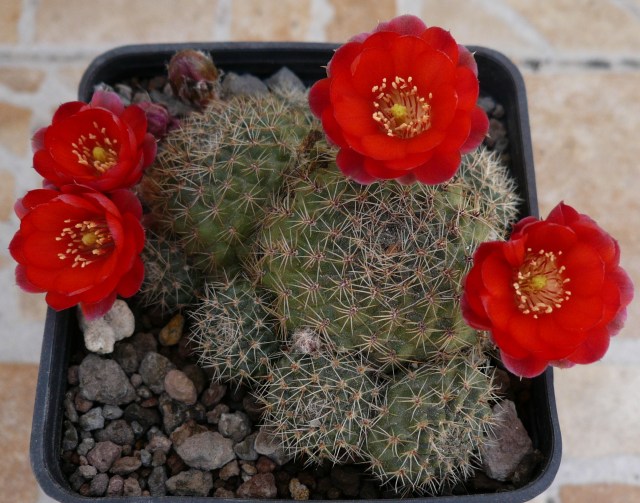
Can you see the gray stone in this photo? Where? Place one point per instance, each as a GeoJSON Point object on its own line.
{"type": "Point", "coordinates": [213, 394]}
{"type": "Point", "coordinates": [262, 485]}
{"type": "Point", "coordinates": [92, 420]}
{"type": "Point", "coordinates": [101, 334]}
{"type": "Point", "coordinates": [190, 483]}
{"type": "Point", "coordinates": [245, 449]}
{"type": "Point", "coordinates": [111, 412]}
{"type": "Point", "coordinates": [99, 484]}
{"type": "Point", "coordinates": [153, 369]}
{"type": "Point", "coordinates": [156, 481]}
{"type": "Point", "coordinates": [70, 411]}
{"type": "Point", "coordinates": [116, 485]}
{"type": "Point", "coordinates": [229, 470]}
{"type": "Point", "coordinates": [285, 82]}
{"type": "Point", "coordinates": [235, 426]}
{"type": "Point", "coordinates": [87, 471]}
{"type": "Point", "coordinates": [173, 413]}
{"type": "Point", "coordinates": [103, 455]}
{"type": "Point", "coordinates": [508, 442]}
{"type": "Point", "coordinates": [144, 342]}
{"type": "Point", "coordinates": [197, 376]}
{"type": "Point", "coordinates": [266, 444]}
{"type": "Point", "coordinates": [206, 451]}
{"type": "Point", "coordinates": [146, 418]}
{"type": "Point", "coordinates": [179, 387]}
{"type": "Point", "coordinates": [145, 457]}
{"type": "Point", "coordinates": [127, 357]}
{"type": "Point", "coordinates": [213, 416]}
{"type": "Point", "coordinates": [69, 436]}
{"type": "Point", "coordinates": [118, 431]}
{"type": "Point", "coordinates": [125, 465]}
{"type": "Point", "coordinates": [85, 446]}
{"type": "Point", "coordinates": [159, 443]}
{"type": "Point", "coordinates": [243, 85]}
{"type": "Point", "coordinates": [131, 487]}
{"type": "Point", "coordinates": [104, 381]}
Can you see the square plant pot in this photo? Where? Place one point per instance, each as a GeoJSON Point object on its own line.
{"type": "Point", "coordinates": [498, 78]}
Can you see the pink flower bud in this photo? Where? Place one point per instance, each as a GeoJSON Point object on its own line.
{"type": "Point", "coordinates": [193, 77]}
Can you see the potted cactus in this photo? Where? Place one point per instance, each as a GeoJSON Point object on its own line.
{"type": "Point", "coordinates": [335, 258]}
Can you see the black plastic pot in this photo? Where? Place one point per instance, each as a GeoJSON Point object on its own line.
{"type": "Point", "coordinates": [498, 78]}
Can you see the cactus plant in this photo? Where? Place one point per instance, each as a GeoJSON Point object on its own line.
{"type": "Point", "coordinates": [432, 425]}
{"type": "Point", "coordinates": [214, 175]}
{"type": "Point", "coordinates": [233, 331]}
{"type": "Point", "coordinates": [378, 267]}
{"type": "Point", "coordinates": [318, 402]}
{"type": "Point", "coordinates": [170, 283]}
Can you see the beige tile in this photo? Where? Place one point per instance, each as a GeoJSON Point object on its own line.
{"type": "Point", "coordinates": [82, 23]}
{"type": "Point", "coordinates": [267, 20]}
{"type": "Point", "coordinates": [598, 410]}
{"type": "Point", "coordinates": [15, 128]}
{"type": "Point", "coordinates": [21, 79]}
{"type": "Point", "coordinates": [32, 306]}
{"type": "Point", "coordinates": [351, 18]}
{"type": "Point", "coordinates": [599, 493]}
{"type": "Point", "coordinates": [472, 23]}
{"type": "Point", "coordinates": [11, 10]}
{"type": "Point", "coordinates": [17, 397]}
{"type": "Point", "coordinates": [7, 194]}
{"type": "Point", "coordinates": [585, 129]}
{"type": "Point", "coordinates": [583, 26]}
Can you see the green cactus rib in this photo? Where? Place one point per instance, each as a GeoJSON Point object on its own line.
{"type": "Point", "coordinates": [379, 267]}
{"type": "Point", "coordinates": [233, 332]}
{"type": "Point", "coordinates": [213, 176]}
{"type": "Point", "coordinates": [319, 403]}
{"type": "Point", "coordinates": [435, 419]}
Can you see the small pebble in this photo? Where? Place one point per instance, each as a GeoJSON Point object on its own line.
{"type": "Point", "coordinates": [298, 490]}
{"type": "Point", "coordinates": [172, 332]}
{"type": "Point", "coordinates": [179, 387]}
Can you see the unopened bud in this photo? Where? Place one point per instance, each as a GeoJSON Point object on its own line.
{"type": "Point", "coordinates": [193, 77]}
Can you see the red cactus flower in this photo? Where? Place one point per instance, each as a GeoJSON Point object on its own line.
{"type": "Point", "coordinates": [553, 294]}
{"type": "Point", "coordinates": [400, 102]}
{"type": "Point", "coordinates": [79, 247]}
{"type": "Point", "coordinates": [101, 145]}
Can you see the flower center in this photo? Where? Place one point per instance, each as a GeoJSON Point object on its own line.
{"type": "Point", "coordinates": [539, 284]}
{"type": "Point", "coordinates": [85, 241]}
{"type": "Point", "coordinates": [400, 109]}
{"type": "Point", "coordinates": [96, 151]}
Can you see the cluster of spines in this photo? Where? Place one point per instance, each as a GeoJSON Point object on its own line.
{"type": "Point", "coordinates": [233, 331]}
{"type": "Point", "coordinates": [214, 176]}
{"type": "Point", "coordinates": [379, 267]}
{"type": "Point", "coordinates": [170, 283]}
{"type": "Point", "coordinates": [318, 402]}
{"type": "Point", "coordinates": [435, 419]}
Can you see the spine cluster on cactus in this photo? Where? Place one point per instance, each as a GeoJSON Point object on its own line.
{"type": "Point", "coordinates": [233, 331]}
{"type": "Point", "coordinates": [214, 176]}
{"type": "Point", "coordinates": [170, 283]}
{"type": "Point", "coordinates": [379, 267]}
{"type": "Point", "coordinates": [433, 422]}
{"type": "Point", "coordinates": [319, 402]}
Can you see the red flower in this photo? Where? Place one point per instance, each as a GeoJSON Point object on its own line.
{"type": "Point", "coordinates": [553, 294]}
{"type": "Point", "coordinates": [400, 102]}
{"type": "Point", "coordinates": [79, 247]}
{"type": "Point", "coordinates": [101, 145]}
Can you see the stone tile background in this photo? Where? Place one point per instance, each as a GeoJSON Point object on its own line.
{"type": "Point", "coordinates": [581, 64]}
